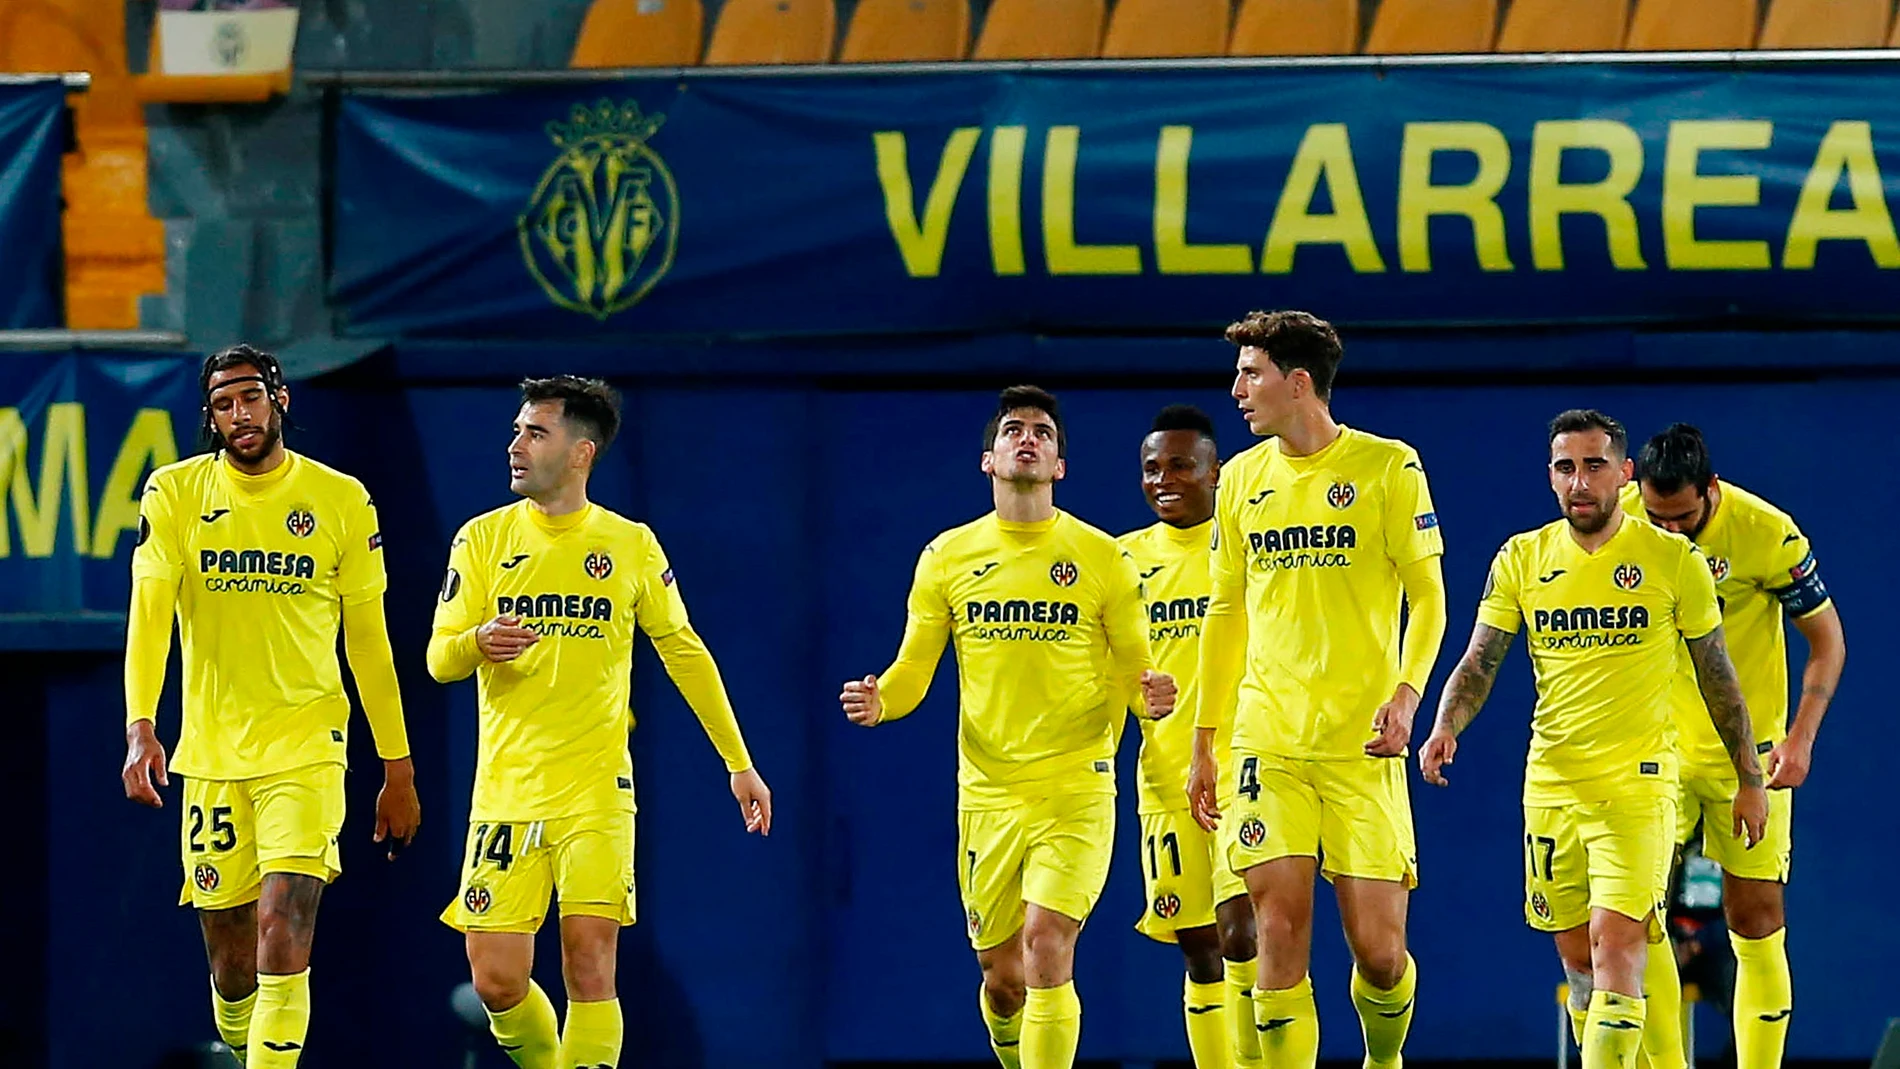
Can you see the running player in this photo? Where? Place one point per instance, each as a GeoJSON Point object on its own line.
{"type": "Point", "coordinates": [1609, 600]}
{"type": "Point", "coordinates": [1764, 571]}
{"type": "Point", "coordinates": [1052, 649]}
{"type": "Point", "coordinates": [540, 604]}
{"type": "Point", "coordinates": [1193, 899]}
{"type": "Point", "coordinates": [260, 553]}
{"type": "Point", "coordinates": [1321, 534]}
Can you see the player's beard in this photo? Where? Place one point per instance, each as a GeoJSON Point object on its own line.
{"type": "Point", "coordinates": [273, 432]}
{"type": "Point", "coordinates": [1592, 523]}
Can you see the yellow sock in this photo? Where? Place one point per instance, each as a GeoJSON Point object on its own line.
{"type": "Point", "coordinates": [1764, 999]}
{"type": "Point", "coordinates": [279, 1020]}
{"type": "Point", "coordinates": [234, 1020]}
{"type": "Point", "coordinates": [1288, 1024]}
{"type": "Point", "coordinates": [591, 1039]}
{"type": "Point", "coordinates": [528, 1030]}
{"type": "Point", "coordinates": [1205, 1008]}
{"type": "Point", "coordinates": [1385, 1016]}
{"type": "Point", "coordinates": [1052, 1026]}
{"type": "Point", "coordinates": [1241, 976]}
{"type": "Point", "coordinates": [1006, 1033]}
{"type": "Point", "coordinates": [1613, 1031]}
{"type": "Point", "coordinates": [1662, 1018]}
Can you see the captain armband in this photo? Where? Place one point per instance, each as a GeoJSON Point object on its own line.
{"type": "Point", "coordinates": [1807, 593]}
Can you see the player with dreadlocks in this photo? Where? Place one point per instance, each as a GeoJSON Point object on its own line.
{"type": "Point", "coordinates": [261, 553]}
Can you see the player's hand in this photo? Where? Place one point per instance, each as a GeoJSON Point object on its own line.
{"type": "Point", "coordinates": [1751, 815]}
{"type": "Point", "coordinates": [755, 801]}
{"type": "Point", "coordinates": [398, 810]}
{"type": "Point", "coordinates": [504, 639]}
{"type": "Point", "coordinates": [1437, 752]}
{"type": "Point", "coordinates": [144, 762]}
{"type": "Point", "coordinates": [1201, 785]}
{"type": "Point", "coordinates": [1787, 763]}
{"type": "Point", "coordinates": [863, 705]}
{"type": "Point", "coordinates": [1392, 724]}
{"type": "Point", "coordinates": [1157, 693]}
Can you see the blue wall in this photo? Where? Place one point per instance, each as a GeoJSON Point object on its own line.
{"type": "Point", "coordinates": [793, 514]}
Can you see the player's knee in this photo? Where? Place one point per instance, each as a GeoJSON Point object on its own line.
{"type": "Point", "coordinates": [1383, 966]}
{"type": "Point", "coordinates": [1277, 929]}
{"type": "Point", "coordinates": [499, 989]}
{"type": "Point", "coordinates": [1003, 986]}
{"type": "Point", "coordinates": [589, 977]}
{"type": "Point", "coordinates": [1754, 919]}
{"type": "Point", "coordinates": [234, 978]}
{"type": "Point", "coordinates": [1236, 935]}
{"type": "Point", "coordinates": [1203, 960]}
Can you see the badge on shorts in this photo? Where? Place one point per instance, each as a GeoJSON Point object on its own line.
{"type": "Point", "coordinates": [206, 877]}
{"type": "Point", "coordinates": [1540, 905]}
{"type": "Point", "coordinates": [976, 923]}
{"type": "Point", "coordinates": [1252, 833]}
{"type": "Point", "coordinates": [1167, 906]}
{"type": "Point", "coordinates": [477, 899]}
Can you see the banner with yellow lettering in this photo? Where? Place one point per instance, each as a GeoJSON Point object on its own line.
{"type": "Point", "coordinates": [78, 434]}
{"type": "Point", "coordinates": [1095, 198]}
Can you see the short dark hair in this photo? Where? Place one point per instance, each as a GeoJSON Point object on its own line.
{"type": "Point", "coordinates": [1589, 419]}
{"type": "Point", "coordinates": [1183, 418]}
{"type": "Point", "coordinates": [1293, 340]}
{"type": "Point", "coordinates": [1676, 458]}
{"type": "Point", "coordinates": [590, 406]}
{"type": "Point", "coordinates": [240, 355]}
{"type": "Point", "coordinates": [1019, 397]}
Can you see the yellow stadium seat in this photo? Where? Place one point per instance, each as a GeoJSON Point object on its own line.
{"type": "Point", "coordinates": [773, 31]}
{"type": "Point", "coordinates": [1564, 26]}
{"type": "Point", "coordinates": [1692, 25]}
{"type": "Point", "coordinates": [1408, 26]}
{"type": "Point", "coordinates": [1296, 28]}
{"type": "Point", "coordinates": [640, 33]}
{"type": "Point", "coordinates": [115, 250]}
{"type": "Point", "coordinates": [1826, 24]}
{"type": "Point", "coordinates": [1167, 28]}
{"type": "Point", "coordinates": [1043, 29]}
{"type": "Point", "coordinates": [897, 31]}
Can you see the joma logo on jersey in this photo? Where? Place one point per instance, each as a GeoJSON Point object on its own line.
{"type": "Point", "coordinates": [1020, 611]}
{"type": "Point", "coordinates": [300, 522]}
{"type": "Point", "coordinates": [1166, 612]}
{"type": "Point", "coordinates": [598, 565]}
{"type": "Point", "coordinates": [1304, 536]}
{"type": "Point", "coordinates": [572, 606]}
{"type": "Point", "coordinates": [1627, 576]}
{"type": "Point", "coordinates": [256, 562]}
{"type": "Point", "coordinates": [1592, 618]}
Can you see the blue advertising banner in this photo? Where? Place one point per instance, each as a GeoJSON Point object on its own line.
{"type": "Point", "coordinates": [1134, 199]}
{"type": "Point", "coordinates": [78, 434]}
{"type": "Point", "coordinates": [32, 139]}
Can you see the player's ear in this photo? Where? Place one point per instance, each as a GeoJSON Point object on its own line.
{"type": "Point", "coordinates": [1062, 468]}
{"type": "Point", "coordinates": [983, 464]}
{"type": "Point", "coordinates": [283, 398]}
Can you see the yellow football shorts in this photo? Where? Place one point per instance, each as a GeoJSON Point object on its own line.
{"type": "Point", "coordinates": [1354, 815]}
{"type": "Point", "coordinates": [1052, 851]}
{"type": "Point", "coordinates": [1611, 855]}
{"type": "Point", "coordinates": [510, 870]}
{"type": "Point", "coordinates": [1181, 875]}
{"type": "Point", "coordinates": [1709, 799]}
{"type": "Point", "coordinates": [235, 831]}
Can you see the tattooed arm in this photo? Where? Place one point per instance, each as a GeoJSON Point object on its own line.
{"type": "Point", "coordinates": [1723, 695]}
{"type": "Point", "coordinates": [1715, 674]}
{"type": "Point", "coordinates": [1463, 696]}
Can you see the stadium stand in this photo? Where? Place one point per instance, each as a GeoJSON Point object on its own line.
{"type": "Point", "coordinates": [1042, 29]}
{"type": "Point", "coordinates": [1296, 28]}
{"type": "Point", "coordinates": [1564, 26]}
{"type": "Point", "coordinates": [1159, 28]}
{"type": "Point", "coordinates": [772, 32]}
{"type": "Point", "coordinates": [1681, 25]}
{"type": "Point", "coordinates": [1826, 24]}
{"type": "Point", "coordinates": [640, 33]}
{"type": "Point", "coordinates": [895, 31]}
{"type": "Point", "coordinates": [1417, 26]}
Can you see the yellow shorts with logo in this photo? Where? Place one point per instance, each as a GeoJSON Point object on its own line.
{"type": "Point", "coordinates": [511, 869]}
{"type": "Point", "coordinates": [1354, 815]}
{"type": "Point", "coordinates": [1181, 875]}
{"type": "Point", "coordinates": [235, 831]}
{"type": "Point", "coordinates": [1051, 851]}
{"type": "Point", "coordinates": [1709, 800]}
{"type": "Point", "coordinates": [1611, 855]}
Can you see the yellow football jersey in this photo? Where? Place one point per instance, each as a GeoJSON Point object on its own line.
{"type": "Point", "coordinates": [1604, 631]}
{"type": "Point", "coordinates": [553, 721]}
{"type": "Point", "coordinates": [264, 565]}
{"type": "Point", "coordinates": [1759, 559]}
{"type": "Point", "coordinates": [1310, 548]}
{"type": "Point", "coordinates": [1173, 565]}
{"type": "Point", "coordinates": [1051, 639]}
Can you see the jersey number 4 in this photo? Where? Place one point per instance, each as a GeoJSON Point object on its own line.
{"type": "Point", "coordinates": [1249, 784]}
{"type": "Point", "coordinates": [499, 847]}
{"type": "Point", "coordinates": [223, 832]}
